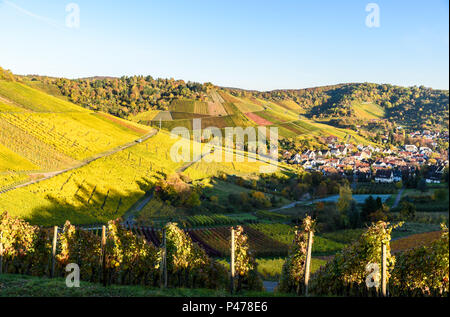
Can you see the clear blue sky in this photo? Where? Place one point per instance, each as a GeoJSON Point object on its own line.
{"type": "Point", "coordinates": [252, 44]}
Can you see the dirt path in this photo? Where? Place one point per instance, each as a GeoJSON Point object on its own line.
{"type": "Point", "coordinates": [397, 199]}
{"type": "Point", "coordinates": [189, 164]}
{"type": "Point", "coordinates": [48, 175]}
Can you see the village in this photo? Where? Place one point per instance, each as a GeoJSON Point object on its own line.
{"type": "Point", "coordinates": [390, 164]}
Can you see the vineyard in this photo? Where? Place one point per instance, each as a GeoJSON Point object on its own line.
{"type": "Point", "coordinates": [41, 133]}
{"type": "Point", "coordinates": [141, 256]}
{"type": "Point", "coordinates": [374, 188]}
{"type": "Point", "coordinates": [217, 240]}
{"type": "Point", "coordinates": [98, 191]}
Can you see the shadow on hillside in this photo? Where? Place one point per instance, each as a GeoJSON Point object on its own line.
{"type": "Point", "coordinates": [88, 206]}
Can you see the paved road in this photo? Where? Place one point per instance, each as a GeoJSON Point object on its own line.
{"type": "Point", "coordinates": [86, 162]}
{"type": "Point", "coordinates": [137, 207]}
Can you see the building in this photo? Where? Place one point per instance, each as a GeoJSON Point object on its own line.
{"type": "Point", "coordinates": [384, 176]}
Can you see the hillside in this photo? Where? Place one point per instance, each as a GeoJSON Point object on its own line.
{"type": "Point", "coordinates": [40, 133]}
{"type": "Point", "coordinates": [355, 112]}
{"type": "Point", "coordinates": [357, 101]}
{"type": "Point", "coordinates": [60, 161]}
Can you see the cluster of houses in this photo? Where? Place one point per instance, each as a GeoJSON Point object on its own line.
{"type": "Point", "coordinates": [366, 163]}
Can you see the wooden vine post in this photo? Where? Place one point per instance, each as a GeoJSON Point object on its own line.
{"type": "Point", "coordinates": [1, 253]}
{"type": "Point", "coordinates": [383, 270]}
{"type": "Point", "coordinates": [308, 260]}
{"type": "Point", "coordinates": [164, 259]}
{"type": "Point", "coordinates": [103, 259]}
{"type": "Point", "coordinates": [232, 265]}
{"type": "Point", "coordinates": [55, 239]}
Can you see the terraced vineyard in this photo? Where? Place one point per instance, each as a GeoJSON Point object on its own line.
{"type": "Point", "coordinates": [97, 192]}
{"type": "Point", "coordinates": [42, 133]}
{"type": "Point", "coordinates": [218, 239]}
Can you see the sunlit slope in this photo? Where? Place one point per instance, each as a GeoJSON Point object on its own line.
{"type": "Point", "coordinates": [286, 115]}
{"type": "Point", "coordinates": [102, 190]}
{"type": "Point", "coordinates": [368, 111]}
{"type": "Point", "coordinates": [52, 134]}
{"type": "Point", "coordinates": [35, 100]}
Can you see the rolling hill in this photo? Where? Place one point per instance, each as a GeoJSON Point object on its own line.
{"type": "Point", "coordinates": [61, 158]}
{"type": "Point", "coordinates": [60, 161]}
{"type": "Point", "coordinates": [40, 133]}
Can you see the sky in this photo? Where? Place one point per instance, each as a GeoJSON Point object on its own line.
{"type": "Point", "coordinates": [249, 44]}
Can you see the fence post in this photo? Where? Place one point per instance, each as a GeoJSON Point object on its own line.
{"type": "Point", "coordinates": [104, 255]}
{"type": "Point", "coordinates": [383, 269]}
{"type": "Point", "coordinates": [308, 260]}
{"type": "Point", "coordinates": [232, 264]}
{"type": "Point", "coordinates": [55, 239]}
{"type": "Point", "coordinates": [164, 259]}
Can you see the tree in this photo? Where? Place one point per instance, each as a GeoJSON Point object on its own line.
{"type": "Point", "coordinates": [354, 216]}
{"type": "Point", "coordinates": [370, 206]}
{"type": "Point", "coordinates": [408, 211]}
{"type": "Point", "coordinates": [422, 185]}
{"type": "Point", "coordinates": [441, 194]}
{"type": "Point", "coordinates": [345, 199]}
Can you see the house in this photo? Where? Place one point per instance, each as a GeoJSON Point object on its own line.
{"type": "Point", "coordinates": [378, 164]}
{"type": "Point", "coordinates": [296, 158]}
{"type": "Point", "coordinates": [384, 176]}
{"type": "Point", "coordinates": [363, 174]}
{"type": "Point", "coordinates": [366, 154]}
{"type": "Point", "coordinates": [397, 176]}
{"type": "Point", "coordinates": [331, 139]}
{"type": "Point", "coordinates": [335, 152]}
{"type": "Point", "coordinates": [434, 175]}
{"type": "Point", "coordinates": [410, 148]}
{"type": "Point", "coordinates": [433, 179]}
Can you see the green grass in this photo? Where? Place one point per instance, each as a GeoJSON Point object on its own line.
{"type": "Point", "coordinates": [285, 234]}
{"type": "Point", "coordinates": [344, 236]}
{"type": "Point", "coordinates": [29, 286]}
{"type": "Point", "coordinates": [410, 228]}
{"type": "Point", "coordinates": [270, 268]}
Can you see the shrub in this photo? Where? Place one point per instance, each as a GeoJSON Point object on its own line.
{"type": "Point", "coordinates": [245, 264]}
{"type": "Point", "coordinates": [423, 270]}
{"type": "Point", "coordinates": [293, 272]}
{"type": "Point", "coordinates": [346, 273]}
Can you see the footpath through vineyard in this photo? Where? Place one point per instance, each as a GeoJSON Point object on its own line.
{"type": "Point", "coordinates": [48, 175]}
